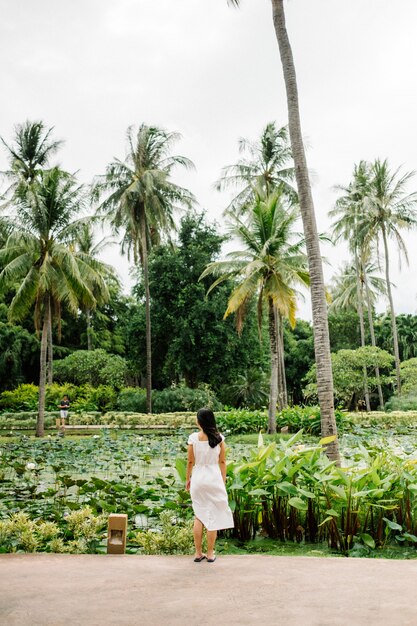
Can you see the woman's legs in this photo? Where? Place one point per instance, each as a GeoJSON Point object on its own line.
{"type": "Point", "coordinates": [198, 537]}
{"type": "Point", "coordinates": [211, 540]}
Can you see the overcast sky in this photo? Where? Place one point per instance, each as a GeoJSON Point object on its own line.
{"type": "Point", "coordinates": [91, 68]}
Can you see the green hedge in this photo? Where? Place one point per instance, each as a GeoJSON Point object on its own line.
{"type": "Point", "coordinates": [104, 398]}
{"type": "Point", "coordinates": [234, 422]}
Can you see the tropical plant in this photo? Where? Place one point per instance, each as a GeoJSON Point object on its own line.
{"type": "Point", "coordinates": [348, 293]}
{"type": "Point", "coordinates": [318, 291]}
{"type": "Point", "coordinates": [390, 209]}
{"type": "Point", "coordinates": [38, 258]}
{"type": "Point", "coordinates": [270, 266]}
{"type": "Point", "coordinates": [268, 166]}
{"type": "Point", "coordinates": [29, 155]}
{"type": "Point", "coordinates": [89, 250]}
{"type": "Point", "coordinates": [140, 198]}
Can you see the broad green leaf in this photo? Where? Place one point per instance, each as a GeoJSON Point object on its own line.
{"type": "Point", "coordinates": [368, 540]}
{"type": "Point", "coordinates": [298, 504]}
{"type": "Point", "coordinates": [392, 525]}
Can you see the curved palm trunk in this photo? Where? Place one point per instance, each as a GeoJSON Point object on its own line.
{"type": "Point", "coordinates": [50, 347]}
{"type": "Point", "coordinates": [318, 295]}
{"type": "Point", "coordinates": [148, 315]}
{"type": "Point", "coordinates": [273, 394]}
{"type": "Point", "coordinates": [373, 340]}
{"type": "Point", "coordinates": [40, 423]}
{"type": "Point", "coordinates": [359, 307]}
{"type": "Point", "coordinates": [393, 320]}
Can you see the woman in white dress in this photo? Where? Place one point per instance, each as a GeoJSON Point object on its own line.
{"type": "Point", "coordinates": [206, 478]}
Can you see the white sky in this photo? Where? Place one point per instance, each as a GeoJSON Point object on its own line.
{"type": "Point", "coordinates": [93, 67]}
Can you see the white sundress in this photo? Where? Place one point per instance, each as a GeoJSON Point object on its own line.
{"type": "Point", "coordinates": [207, 490]}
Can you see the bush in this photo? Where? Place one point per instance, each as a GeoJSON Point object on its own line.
{"type": "Point", "coordinates": [171, 400]}
{"type": "Point", "coordinates": [174, 537]}
{"type": "Point", "coordinates": [406, 402]}
{"type": "Point", "coordinates": [132, 399]}
{"type": "Point", "coordinates": [23, 398]}
{"type": "Point", "coordinates": [83, 398]}
{"type": "Point", "coordinates": [241, 421]}
{"type": "Point", "coordinates": [94, 367]}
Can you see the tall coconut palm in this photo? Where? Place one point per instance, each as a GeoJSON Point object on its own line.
{"type": "Point", "coordinates": [28, 156]}
{"type": "Point", "coordinates": [318, 290]}
{"type": "Point", "coordinates": [270, 265]}
{"type": "Point", "coordinates": [140, 199]}
{"type": "Point", "coordinates": [266, 164]}
{"type": "Point", "coordinates": [39, 258]}
{"type": "Point", "coordinates": [89, 249]}
{"type": "Point", "coordinates": [352, 288]}
{"type": "Point", "coordinates": [349, 224]}
{"type": "Point", "coordinates": [390, 209]}
{"type": "Point", "coordinates": [29, 153]}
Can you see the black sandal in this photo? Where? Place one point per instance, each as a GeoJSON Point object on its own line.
{"type": "Point", "coordinates": [198, 559]}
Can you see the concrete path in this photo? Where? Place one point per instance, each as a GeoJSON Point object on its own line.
{"type": "Point", "coordinates": [64, 590]}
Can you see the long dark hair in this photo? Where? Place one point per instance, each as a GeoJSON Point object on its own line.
{"type": "Point", "coordinates": [207, 422]}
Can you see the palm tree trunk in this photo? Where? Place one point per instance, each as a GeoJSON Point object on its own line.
{"type": "Point", "coordinates": [89, 330]}
{"type": "Point", "coordinates": [280, 385]}
{"type": "Point", "coordinates": [359, 307]}
{"type": "Point", "coordinates": [284, 376]}
{"type": "Point", "coordinates": [50, 347]}
{"type": "Point", "coordinates": [273, 394]}
{"type": "Point", "coordinates": [148, 315]}
{"type": "Point", "coordinates": [281, 353]}
{"type": "Point", "coordinates": [393, 320]}
{"type": "Point", "coordinates": [40, 423]}
{"type": "Point", "coordinates": [373, 340]}
{"type": "Point", "coordinates": [318, 294]}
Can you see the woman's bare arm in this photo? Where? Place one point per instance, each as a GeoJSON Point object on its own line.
{"type": "Point", "coordinates": [190, 465]}
{"type": "Point", "coordinates": [222, 460]}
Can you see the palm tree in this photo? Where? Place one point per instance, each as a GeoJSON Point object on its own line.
{"type": "Point", "coordinates": [38, 257]}
{"type": "Point", "coordinates": [390, 209]}
{"type": "Point", "coordinates": [350, 225]}
{"type": "Point", "coordinates": [348, 293]}
{"type": "Point", "coordinates": [318, 290]}
{"type": "Point", "coordinates": [268, 166]}
{"type": "Point", "coordinates": [28, 156]}
{"type": "Point", "coordinates": [89, 250]}
{"type": "Point", "coordinates": [140, 199]}
{"type": "Point", "coordinates": [269, 266]}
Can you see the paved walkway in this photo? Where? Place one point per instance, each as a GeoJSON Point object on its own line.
{"type": "Point", "coordinates": [58, 590]}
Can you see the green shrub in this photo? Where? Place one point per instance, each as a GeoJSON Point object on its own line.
{"type": "Point", "coordinates": [241, 421]}
{"type": "Point", "coordinates": [23, 398]}
{"type": "Point", "coordinates": [94, 367]}
{"type": "Point", "coordinates": [175, 398]}
{"type": "Point", "coordinates": [132, 399]}
{"type": "Point", "coordinates": [406, 402]}
{"type": "Point", "coordinates": [174, 537]}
